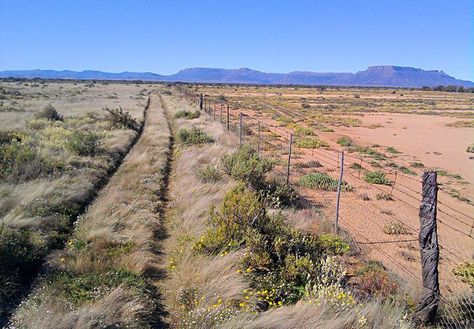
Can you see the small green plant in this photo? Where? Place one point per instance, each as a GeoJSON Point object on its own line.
{"type": "Point", "coordinates": [470, 148]}
{"type": "Point", "coordinates": [322, 181]}
{"type": "Point", "coordinates": [309, 164]}
{"type": "Point", "coordinates": [83, 143]}
{"type": "Point", "coordinates": [394, 228]}
{"type": "Point", "coordinates": [356, 166]}
{"type": "Point", "coordinates": [384, 196]}
{"type": "Point", "coordinates": [187, 114]}
{"type": "Point", "coordinates": [311, 143]}
{"type": "Point", "coordinates": [376, 177]}
{"type": "Point", "coordinates": [195, 136]}
{"type": "Point", "coordinates": [466, 272]}
{"type": "Point", "coordinates": [345, 141]}
{"type": "Point", "coordinates": [417, 165]}
{"type": "Point", "coordinates": [392, 150]}
{"type": "Point", "coordinates": [209, 174]}
{"type": "Point", "coordinates": [49, 113]}
{"type": "Point", "coordinates": [245, 164]}
{"type": "Point", "coordinates": [407, 171]}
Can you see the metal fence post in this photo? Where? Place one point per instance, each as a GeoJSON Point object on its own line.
{"type": "Point", "coordinates": [339, 184]}
{"type": "Point", "coordinates": [228, 118]}
{"type": "Point", "coordinates": [429, 249]}
{"type": "Point", "coordinates": [289, 160]}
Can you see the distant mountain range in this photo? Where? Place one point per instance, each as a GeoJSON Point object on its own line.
{"type": "Point", "coordinates": [374, 76]}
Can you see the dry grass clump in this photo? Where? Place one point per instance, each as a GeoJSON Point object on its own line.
{"type": "Point", "coordinates": [394, 228]}
{"type": "Point", "coordinates": [103, 273]}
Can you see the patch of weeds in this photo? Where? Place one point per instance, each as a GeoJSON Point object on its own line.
{"type": "Point", "coordinates": [417, 165]}
{"type": "Point", "coordinates": [376, 177]}
{"type": "Point", "coordinates": [345, 141]}
{"type": "Point", "coordinates": [83, 143]}
{"type": "Point", "coordinates": [384, 196]}
{"type": "Point", "coordinates": [322, 181]}
{"type": "Point", "coordinates": [209, 174]}
{"type": "Point", "coordinates": [278, 194]}
{"type": "Point", "coordinates": [470, 148]}
{"type": "Point", "coordinates": [284, 119]}
{"type": "Point", "coordinates": [311, 143]}
{"type": "Point", "coordinates": [370, 152]}
{"type": "Point", "coordinates": [465, 271]}
{"type": "Point", "coordinates": [407, 171]}
{"type": "Point", "coordinates": [49, 113]}
{"type": "Point", "coordinates": [375, 164]}
{"type": "Point", "coordinates": [194, 136]}
{"type": "Point", "coordinates": [356, 166]}
{"type": "Point", "coordinates": [392, 150]}
{"type": "Point", "coordinates": [386, 212]}
{"type": "Point", "coordinates": [394, 228]}
{"type": "Point", "coordinates": [374, 281]}
{"type": "Point", "coordinates": [79, 289]}
{"type": "Point", "coordinates": [187, 114]}
{"type": "Point", "coordinates": [245, 164]}
{"type": "Point", "coordinates": [365, 197]}
{"type": "Point", "coordinates": [309, 164]}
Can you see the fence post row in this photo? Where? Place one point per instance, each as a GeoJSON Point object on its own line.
{"type": "Point", "coordinates": [289, 157]}
{"type": "Point", "coordinates": [339, 184]}
{"type": "Point", "coordinates": [429, 249]}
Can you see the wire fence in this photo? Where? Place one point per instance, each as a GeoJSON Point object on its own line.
{"type": "Point", "coordinates": [383, 219]}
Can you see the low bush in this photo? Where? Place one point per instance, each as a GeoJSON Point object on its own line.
{"type": "Point", "coordinates": [392, 150]}
{"type": "Point", "coordinates": [376, 177]}
{"type": "Point", "coordinates": [470, 148]}
{"type": "Point", "coordinates": [83, 143]}
{"type": "Point", "coordinates": [118, 118]}
{"type": "Point", "coordinates": [49, 113]}
{"type": "Point", "coordinates": [355, 166]}
{"type": "Point", "coordinates": [374, 281]}
{"type": "Point", "coordinates": [194, 136]}
{"type": "Point", "coordinates": [187, 114]}
{"type": "Point", "coordinates": [384, 196]}
{"type": "Point", "coordinates": [345, 141]}
{"type": "Point", "coordinates": [209, 174]}
{"type": "Point", "coordinates": [322, 181]}
{"type": "Point", "coordinates": [466, 272]}
{"type": "Point", "coordinates": [311, 143]}
{"type": "Point", "coordinates": [309, 164]}
{"type": "Point", "coordinates": [370, 152]}
{"type": "Point", "coordinates": [417, 165]}
{"type": "Point", "coordinates": [278, 194]}
{"type": "Point", "coordinates": [407, 171]}
{"type": "Point", "coordinates": [245, 164]}
{"type": "Point", "coordinates": [394, 228]}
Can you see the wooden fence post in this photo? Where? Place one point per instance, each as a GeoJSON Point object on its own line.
{"type": "Point", "coordinates": [200, 103]}
{"type": "Point", "coordinates": [241, 136]}
{"type": "Point", "coordinates": [429, 249]}
{"type": "Point", "coordinates": [258, 136]}
{"type": "Point", "coordinates": [289, 161]}
{"type": "Point", "coordinates": [228, 118]}
{"type": "Point", "coordinates": [339, 184]}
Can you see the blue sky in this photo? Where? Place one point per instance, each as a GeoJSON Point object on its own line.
{"type": "Point", "coordinates": [273, 36]}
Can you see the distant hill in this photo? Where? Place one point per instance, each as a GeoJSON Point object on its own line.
{"type": "Point", "coordinates": [376, 76]}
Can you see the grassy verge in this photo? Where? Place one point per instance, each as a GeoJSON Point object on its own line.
{"type": "Point", "coordinates": [103, 277]}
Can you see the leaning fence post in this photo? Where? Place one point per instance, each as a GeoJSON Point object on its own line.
{"type": "Point", "coordinates": [241, 137]}
{"type": "Point", "coordinates": [429, 249]}
{"type": "Point", "coordinates": [339, 184]}
{"type": "Point", "coordinates": [289, 160]}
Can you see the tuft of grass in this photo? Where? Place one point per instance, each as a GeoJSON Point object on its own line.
{"type": "Point", "coordinates": [209, 174]}
{"type": "Point", "coordinates": [309, 164]}
{"type": "Point", "coordinates": [466, 272]}
{"type": "Point", "coordinates": [356, 166]}
{"type": "Point", "coordinates": [83, 143]}
{"type": "Point", "coordinates": [407, 171]}
{"type": "Point", "coordinates": [376, 177]}
{"type": "Point", "coordinates": [392, 150]}
{"type": "Point", "coordinates": [322, 181]}
{"type": "Point", "coordinates": [394, 228]}
{"type": "Point", "coordinates": [194, 136]}
{"type": "Point", "coordinates": [311, 143]}
{"type": "Point", "coordinates": [417, 165]}
{"type": "Point", "coordinates": [384, 196]}
{"type": "Point", "coordinates": [187, 114]}
{"type": "Point", "coordinates": [345, 141]}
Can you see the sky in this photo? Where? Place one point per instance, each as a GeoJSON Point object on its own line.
{"type": "Point", "coordinates": [272, 36]}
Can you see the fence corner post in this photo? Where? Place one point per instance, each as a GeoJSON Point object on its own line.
{"type": "Point", "coordinates": [427, 307]}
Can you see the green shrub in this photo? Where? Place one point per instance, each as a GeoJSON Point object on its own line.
{"type": "Point", "coordinates": [246, 165]}
{"type": "Point", "coordinates": [417, 165]}
{"type": "Point", "coordinates": [209, 174]}
{"type": "Point", "coordinates": [374, 281]}
{"type": "Point", "coordinates": [303, 131]}
{"type": "Point", "coordinates": [394, 228]}
{"type": "Point", "coordinates": [311, 143]}
{"type": "Point", "coordinates": [83, 143]}
{"type": "Point", "coordinates": [118, 118]}
{"type": "Point", "coordinates": [322, 181]}
{"type": "Point", "coordinates": [392, 150]}
{"type": "Point", "coordinates": [332, 244]}
{"type": "Point", "coordinates": [376, 177]}
{"type": "Point", "coordinates": [466, 272]}
{"type": "Point", "coordinates": [407, 171]}
{"type": "Point", "coordinates": [49, 113]}
{"type": "Point", "coordinates": [309, 164]}
{"type": "Point", "coordinates": [195, 136]}
{"type": "Point", "coordinates": [345, 141]}
{"type": "Point", "coordinates": [278, 194]}
{"type": "Point", "coordinates": [470, 148]}
{"type": "Point", "coordinates": [370, 152]}
{"type": "Point", "coordinates": [187, 114]}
